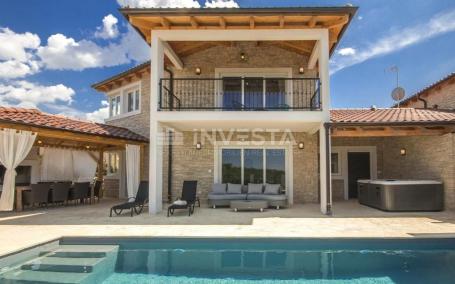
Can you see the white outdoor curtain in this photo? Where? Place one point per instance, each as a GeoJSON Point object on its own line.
{"type": "Point", "coordinates": [14, 147]}
{"type": "Point", "coordinates": [56, 164]}
{"type": "Point", "coordinates": [84, 166]}
{"type": "Point", "coordinates": [67, 165]}
{"type": "Point", "coordinates": [132, 169]}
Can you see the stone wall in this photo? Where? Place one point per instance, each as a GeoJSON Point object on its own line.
{"type": "Point", "coordinates": [192, 164]}
{"type": "Point", "coordinates": [111, 188]}
{"type": "Point", "coordinates": [258, 56]}
{"type": "Point", "coordinates": [442, 97]}
{"type": "Point", "coordinates": [427, 157]}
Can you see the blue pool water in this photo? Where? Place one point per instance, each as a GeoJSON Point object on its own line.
{"type": "Point", "coordinates": [228, 261]}
{"type": "Point", "coordinates": [285, 261]}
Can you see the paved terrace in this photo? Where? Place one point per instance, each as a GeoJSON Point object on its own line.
{"type": "Point", "coordinates": [22, 230]}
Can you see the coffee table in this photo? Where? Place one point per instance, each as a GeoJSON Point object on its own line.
{"type": "Point", "coordinates": [249, 205]}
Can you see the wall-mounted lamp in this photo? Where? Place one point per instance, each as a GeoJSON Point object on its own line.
{"type": "Point", "coordinates": [301, 70]}
{"type": "Point", "coordinates": [198, 71]}
{"type": "Point", "coordinates": [243, 57]}
{"type": "Point", "coordinates": [301, 145]}
{"type": "Point", "coordinates": [403, 152]}
{"type": "Point", "coordinates": [88, 147]}
{"type": "Point", "coordinates": [198, 146]}
{"type": "Point", "coordinates": [40, 142]}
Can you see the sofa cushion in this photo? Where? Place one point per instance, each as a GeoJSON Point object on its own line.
{"type": "Point", "coordinates": [272, 188]}
{"type": "Point", "coordinates": [268, 197]}
{"type": "Point", "coordinates": [226, 196]}
{"type": "Point", "coordinates": [234, 188]}
{"type": "Point", "coordinates": [255, 188]}
{"type": "Point", "coordinates": [219, 188]}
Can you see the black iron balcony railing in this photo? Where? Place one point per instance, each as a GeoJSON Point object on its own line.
{"type": "Point", "coordinates": [236, 94]}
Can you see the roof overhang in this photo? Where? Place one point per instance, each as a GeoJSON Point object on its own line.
{"type": "Point", "coordinates": [50, 136]}
{"type": "Point", "coordinates": [335, 19]}
{"type": "Point", "coordinates": [390, 129]}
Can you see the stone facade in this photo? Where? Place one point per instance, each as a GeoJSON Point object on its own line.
{"type": "Point", "coordinates": [190, 164]}
{"type": "Point", "coordinates": [441, 96]}
{"type": "Point", "coordinates": [427, 157]}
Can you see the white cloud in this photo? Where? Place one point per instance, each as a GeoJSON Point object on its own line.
{"type": "Point", "coordinates": [221, 4]}
{"type": "Point", "coordinates": [16, 69]}
{"type": "Point", "coordinates": [100, 114]}
{"type": "Point", "coordinates": [360, 18]}
{"type": "Point", "coordinates": [109, 28]}
{"type": "Point", "coordinates": [159, 3]}
{"type": "Point", "coordinates": [346, 51]}
{"type": "Point", "coordinates": [397, 40]}
{"type": "Point", "coordinates": [28, 94]}
{"type": "Point", "coordinates": [17, 46]}
{"type": "Point", "coordinates": [63, 52]}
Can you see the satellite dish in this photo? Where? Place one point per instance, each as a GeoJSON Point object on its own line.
{"type": "Point", "coordinates": [398, 94]}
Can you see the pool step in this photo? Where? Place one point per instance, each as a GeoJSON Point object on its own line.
{"type": "Point", "coordinates": [66, 264]}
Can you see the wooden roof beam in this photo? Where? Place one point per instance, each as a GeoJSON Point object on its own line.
{"type": "Point", "coordinates": [165, 23]}
{"type": "Point", "coordinates": [336, 23]}
{"type": "Point", "coordinates": [314, 56]}
{"type": "Point", "coordinates": [222, 22]}
{"type": "Point", "coordinates": [140, 23]}
{"type": "Point", "coordinates": [193, 22]}
{"type": "Point", "coordinates": [173, 57]}
{"type": "Point", "coordinates": [312, 22]}
{"type": "Point", "coordinates": [282, 22]}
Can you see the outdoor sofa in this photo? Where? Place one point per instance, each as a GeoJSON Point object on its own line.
{"type": "Point", "coordinates": [222, 194]}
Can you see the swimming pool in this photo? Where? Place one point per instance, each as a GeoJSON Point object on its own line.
{"type": "Point", "coordinates": [184, 260]}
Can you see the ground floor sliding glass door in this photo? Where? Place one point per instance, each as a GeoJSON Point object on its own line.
{"type": "Point", "coordinates": [253, 165]}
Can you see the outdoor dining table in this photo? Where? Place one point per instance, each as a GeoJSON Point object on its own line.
{"type": "Point", "coordinates": [21, 189]}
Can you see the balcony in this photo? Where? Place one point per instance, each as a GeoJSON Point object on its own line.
{"type": "Point", "coordinates": [239, 94]}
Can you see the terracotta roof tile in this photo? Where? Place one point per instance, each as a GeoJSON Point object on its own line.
{"type": "Point", "coordinates": [34, 117]}
{"type": "Point", "coordinates": [391, 115]}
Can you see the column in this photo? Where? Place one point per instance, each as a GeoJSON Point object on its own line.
{"type": "Point", "coordinates": [155, 146]}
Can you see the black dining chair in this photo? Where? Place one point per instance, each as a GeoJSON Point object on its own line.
{"type": "Point", "coordinates": [39, 194]}
{"type": "Point", "coordinates": [60, 192]}
{"type": "Point", "coordinates": [80, 191]}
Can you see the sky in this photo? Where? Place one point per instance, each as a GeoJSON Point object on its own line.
{"type": "Point", "coordinates": [52, 51]}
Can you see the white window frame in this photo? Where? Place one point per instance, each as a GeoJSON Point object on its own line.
{"type": "Point", "coordinates": [255, 73]}
{"type": "Point", "coordinates": [339, 163]}
{"type": "Point", "coordinates": [112, 99]}
{"type": "Point", "coordinates": [109, 155]}
{"type": "Point", "coordinates": [289, 164]}
{"type": "Point", "coordinates": [123, 93]}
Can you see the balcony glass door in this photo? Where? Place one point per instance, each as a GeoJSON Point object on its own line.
{"type": "Point", "coordinates": [253, 93]}
{"type": "Point", "coordinates": [248, 90]}
{"type": "Point", "coordinates": [275, 94]}
{"type": "Point", "coordinates": [232, 93]}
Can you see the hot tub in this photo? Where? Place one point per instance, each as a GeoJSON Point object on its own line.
{"type": "Point", "coordinates": [402, 195]}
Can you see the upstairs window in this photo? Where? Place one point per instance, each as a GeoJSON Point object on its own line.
{"type": "Point", "coordinates": [114, 106]}
{"type": "Point", "coordinates": [125, 100]}
{"type": "Point", "coordinates": [133, 100]}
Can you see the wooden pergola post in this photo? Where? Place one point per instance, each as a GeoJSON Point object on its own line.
{"type": "Point", "coordinates": [100, 173]}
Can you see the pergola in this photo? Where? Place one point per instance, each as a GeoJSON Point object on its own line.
{"type": "Point", "coordinates": [58, 131]}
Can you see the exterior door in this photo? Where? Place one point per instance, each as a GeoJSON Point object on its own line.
{"type": "Point", "coordinates": [358, 168]}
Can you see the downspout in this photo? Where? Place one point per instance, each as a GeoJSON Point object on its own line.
{"type": "Point", "coordinates": [425, 103]}
{"type": "Point", "coordinates": [170, 140]}
{"type": "Point", "coordinates": [328, 169]}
